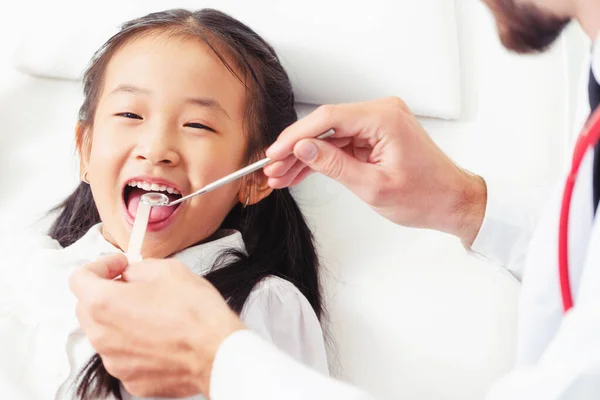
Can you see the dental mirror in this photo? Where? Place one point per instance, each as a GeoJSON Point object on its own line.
{"type": "Point", "coordinates": [155, 199]}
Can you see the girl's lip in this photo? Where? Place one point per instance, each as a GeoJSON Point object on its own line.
{"type": "Point", "coordinates": [152, 226]}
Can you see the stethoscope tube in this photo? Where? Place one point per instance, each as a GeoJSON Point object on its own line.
{"type": "Point", "coordinates": [587, 140]}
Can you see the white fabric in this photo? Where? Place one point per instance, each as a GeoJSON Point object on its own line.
{"type": "Point", "coordinates": [324, 52]}
{"type": "Point", "coordinates": [43, 349]}
{"type": "Point", "coordinates": [247, 368]}
{"type": "Point", "coordinates": [559, 356]}
{"type": "Point", "coordinates": [506, 231]}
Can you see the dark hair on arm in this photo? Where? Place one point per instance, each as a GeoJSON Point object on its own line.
{"type": "Point", "coordinates": [277, 238]}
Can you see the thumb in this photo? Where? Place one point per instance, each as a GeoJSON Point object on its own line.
{"type": "Point", "coordinates": [333, 162]}
{"type": "Point", "coordinates": [145, 271]}
{"type": "Point", "coordinates": [108, 267]}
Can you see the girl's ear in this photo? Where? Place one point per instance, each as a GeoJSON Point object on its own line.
{"type": "Point", "coordinates": [83, 146]}
{"type": "Point", "coordinates": [254, 189]}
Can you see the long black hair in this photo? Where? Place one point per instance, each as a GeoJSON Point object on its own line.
{"type": "Point", "coordinates": [277, 238]}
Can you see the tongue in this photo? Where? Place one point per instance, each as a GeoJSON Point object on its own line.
{"type": "Point", "coordinates": [157, 214]}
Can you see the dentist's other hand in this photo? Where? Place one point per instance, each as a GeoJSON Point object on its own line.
{"type": "Point", "coordinates": [158, 329]}
{"type": "Point", "coordinates": [382, 153]}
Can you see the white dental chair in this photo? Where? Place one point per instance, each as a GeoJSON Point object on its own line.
{"type": "Point", "coordinates": [412, 315]}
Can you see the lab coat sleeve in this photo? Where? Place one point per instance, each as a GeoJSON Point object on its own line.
{"type": "Point", "coordinates": [568, 370]}
{"type": "Point", "coordinates": [278, 312]}
{"type": "Point", "coordinates": [246, 367]}
{"type": "Point", "coordinates": [508, 225]}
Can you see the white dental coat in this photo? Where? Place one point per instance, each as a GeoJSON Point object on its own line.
{"type": "Point", "coordinates": [558, 355]}
{"type": "Point", "coordinates": [42, 348]}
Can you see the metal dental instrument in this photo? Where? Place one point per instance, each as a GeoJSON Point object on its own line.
{"type": "Point", "coordinates": [160, 200]}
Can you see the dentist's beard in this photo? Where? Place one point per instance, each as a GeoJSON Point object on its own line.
{"type": "Point", "coordinates": [525, 28]}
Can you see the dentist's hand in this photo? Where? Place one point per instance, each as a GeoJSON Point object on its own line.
{"type": "Point", "coordinates": [158, 330]}
{"type": "Point", "coordinates": [382, 154]}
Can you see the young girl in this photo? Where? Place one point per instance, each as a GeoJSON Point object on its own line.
{"type": "Point", "coordinates": [172, 102]}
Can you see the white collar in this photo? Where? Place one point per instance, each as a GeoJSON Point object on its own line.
{"type": "Point", "coordinates": [199, 258]}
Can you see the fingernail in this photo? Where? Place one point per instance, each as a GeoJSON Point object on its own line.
{"type": "Point", "coordinates": [306, 151]}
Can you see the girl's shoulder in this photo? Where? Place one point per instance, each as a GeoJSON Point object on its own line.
{"type": "Point", "coordinates": [281, 314]}
{"type": "Point", "coordinates": [275, 283]}
{"type": "Point", "coordinates": [274, 288]}
{"type": "Point", "coordinates": [276, 299]}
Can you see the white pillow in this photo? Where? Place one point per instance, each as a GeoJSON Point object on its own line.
{"type": "Point", "coordinates": [334, 51]}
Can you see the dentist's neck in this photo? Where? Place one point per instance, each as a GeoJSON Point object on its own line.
{"type": "Point", "coordinates": [587, 13]}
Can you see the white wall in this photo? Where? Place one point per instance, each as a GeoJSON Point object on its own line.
{"type": "Point", "coordinates": [577, 46]}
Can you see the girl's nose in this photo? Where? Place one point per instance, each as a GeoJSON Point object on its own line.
{"type": "Point", "coordinates": [158, 148]}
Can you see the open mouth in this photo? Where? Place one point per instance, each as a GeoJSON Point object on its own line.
{"type": "Point", "coordinates": [135, 189]}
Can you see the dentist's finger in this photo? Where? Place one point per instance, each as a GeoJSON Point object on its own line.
{"type": "Point", "coordinates": [286, 180]}
{"type": "Point", "coordinates": [359, 149]}
{"type": "Point", "coordinates": [319, 121]}
{"type": "Point", "coordinates": [369, 120]}
{"type": "Point", "coordinates": [335, 163]}
{"type": "Point", "coordinates": [108, 267]}
{"type": "Point", "coordinates": [102, 270]}
{"type": "Point", "coordinates": [340, 142]}
{"type": "Point", "coordinates": [143, 271]}
{"type": "Point", "coordinates": [280, 168]}
{"type": "Point", "coordinates": [154, 270]}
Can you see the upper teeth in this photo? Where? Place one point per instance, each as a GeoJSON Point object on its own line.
{"type": "Point", "coordinates": [153, 187]}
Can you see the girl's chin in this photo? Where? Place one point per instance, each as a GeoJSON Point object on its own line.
{"type": "Point", "coordinates": [156, 245]}
{"type": "Point", "coordinates": [109, 238]}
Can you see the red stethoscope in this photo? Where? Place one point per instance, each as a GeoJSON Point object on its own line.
{"type": "Point", "coordinates": [587, 140]}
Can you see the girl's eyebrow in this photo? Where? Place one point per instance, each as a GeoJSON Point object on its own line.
{"type": "Point", "coordinates": [129, 89]}
{"type": "Point", "coordinates": [206, 102]}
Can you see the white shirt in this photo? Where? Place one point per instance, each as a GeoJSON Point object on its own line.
{"type": "Point", "coordinates": [42, 348]}
{"type": "Point", "coordinates": [558, 355]}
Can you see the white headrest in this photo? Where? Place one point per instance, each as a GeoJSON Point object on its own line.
{"type": "Point", "coordinates": [333, 51]}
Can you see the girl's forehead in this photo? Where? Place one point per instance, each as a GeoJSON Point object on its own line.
{"type": "Point", "coordinates": [163, 61]}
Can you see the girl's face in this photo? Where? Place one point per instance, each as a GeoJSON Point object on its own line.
{"type": "Point", "coordinates": [170, 119]}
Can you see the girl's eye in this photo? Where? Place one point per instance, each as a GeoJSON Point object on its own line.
{"type": "Point", "coordinates": [198, 125]}
{"type": "Point", "coordinates": [129, 115]}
